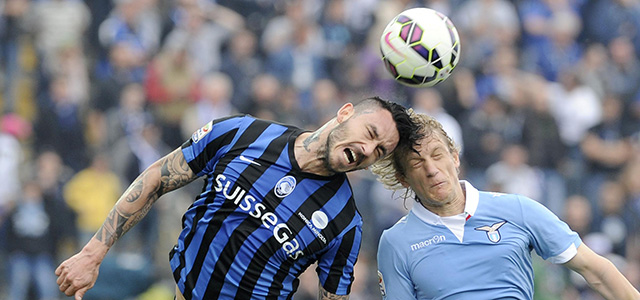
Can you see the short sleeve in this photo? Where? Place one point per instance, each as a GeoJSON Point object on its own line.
{"type": "Point", "coordinates": [394, 278]}
{"type": "Point", "coordinates": [210, 142]}
{"type": "Point", "coordinates": [335, 266]}
{"type": "Point", "coordinates": [552, 238]}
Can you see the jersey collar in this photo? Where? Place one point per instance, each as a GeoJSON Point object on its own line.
{"type": "Point", "coordinates": [471, 204]}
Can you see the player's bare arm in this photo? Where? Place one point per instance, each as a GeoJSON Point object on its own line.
{"type": "Point", "coordinates": [79, 273]}
{"type": "Point", "coordinates": [602, 275]}
{"type": "Point", "coordinates": [324, 295]}
{"type": "Point", "coordinates": [165, 175]}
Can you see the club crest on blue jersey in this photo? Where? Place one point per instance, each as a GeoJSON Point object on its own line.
{"type": "Point", "coordinates": [492, 231]}
{"type": "Point", "coordinates": [200, 133]}
{"type": "Point", "coordinates": [285, 186]}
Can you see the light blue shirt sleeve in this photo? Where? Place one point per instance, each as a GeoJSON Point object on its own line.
{"type": "Point", "coordinates": [552, 238]}
{"type": "Point", "coordinates": [395, 279]}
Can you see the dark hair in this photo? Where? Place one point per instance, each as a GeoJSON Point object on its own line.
{"type": "Point", "coordinates": [408, 130]}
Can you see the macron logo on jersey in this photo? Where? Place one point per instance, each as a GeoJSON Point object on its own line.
{"type": "Point", "coordinates": [434, 240]}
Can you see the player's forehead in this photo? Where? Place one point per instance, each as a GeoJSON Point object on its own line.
{"type": "Point", "coordinates": [385, 129]}
{"type": "Point", "coordinates": [430, 143]}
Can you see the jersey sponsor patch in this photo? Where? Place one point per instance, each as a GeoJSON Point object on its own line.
{"type": "Point", "coordinates": [383, 290]}
{"type": "Point", "coordinates": [200, 133]}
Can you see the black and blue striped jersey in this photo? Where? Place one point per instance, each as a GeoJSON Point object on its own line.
{"type": "Point", "coordinates": [260, 221]}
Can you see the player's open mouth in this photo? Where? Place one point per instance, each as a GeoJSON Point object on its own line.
{"type": "Point", "coordinates": [349, 155]}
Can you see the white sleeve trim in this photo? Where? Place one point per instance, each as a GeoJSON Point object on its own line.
{"type": "Point", "coordinates": [565, 256]}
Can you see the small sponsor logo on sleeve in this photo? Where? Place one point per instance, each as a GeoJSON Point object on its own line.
{"type": "Point", "coordinates": [200, 133]}
{"type": "Point", "coordinates": [383, 290]}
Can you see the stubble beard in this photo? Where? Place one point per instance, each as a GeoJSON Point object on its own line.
{"type": "Point", "coordinates": [336, 134]}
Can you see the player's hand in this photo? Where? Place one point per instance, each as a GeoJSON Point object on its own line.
{"type": "Point", "coordinates": [78, 274]}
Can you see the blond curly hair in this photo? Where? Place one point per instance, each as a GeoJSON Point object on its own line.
{"type": "Point", "coordinates": [389, 167]}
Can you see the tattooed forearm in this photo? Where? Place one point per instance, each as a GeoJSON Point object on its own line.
{"type": "Point", "coordinates": [324, 295]}
{"type": "Point", "coordinates": [134, 191]}
{"type": "Point", "coordinates": [167, 174]}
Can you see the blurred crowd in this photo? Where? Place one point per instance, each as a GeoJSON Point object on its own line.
{"type": "Point", "coordinates": [545, 102]}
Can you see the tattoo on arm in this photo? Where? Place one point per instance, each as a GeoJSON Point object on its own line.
{"type": "Point", "coordinates": [167, 174]}
{"type": "Point", "coordinates": [324, 295]}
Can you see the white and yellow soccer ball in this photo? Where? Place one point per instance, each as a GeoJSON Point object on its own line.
{"type": "Point", "coordinates": [420, 47]}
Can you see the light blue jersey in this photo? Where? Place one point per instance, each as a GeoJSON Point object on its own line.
{"type": "Point", "coordinates": [483, 253]}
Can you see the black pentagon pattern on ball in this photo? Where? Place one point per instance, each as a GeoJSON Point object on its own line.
{"type": "Point", "coordinates": [424, 52]}
{"type": "Point", "coordinates": [435, 59]}
{"type": "Point", "coordinates": [416, 80]}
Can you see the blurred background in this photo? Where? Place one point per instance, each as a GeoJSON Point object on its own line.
{"type": "Point", "coordinates": [545, 102]}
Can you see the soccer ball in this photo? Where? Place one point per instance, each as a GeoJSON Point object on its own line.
{"type": "Point", "coordinates": [420, 47]}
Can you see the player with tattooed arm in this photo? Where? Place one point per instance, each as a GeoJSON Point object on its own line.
{"type": "Point", "coordinates": [275, 200]}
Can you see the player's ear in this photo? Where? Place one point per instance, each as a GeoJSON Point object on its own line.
{"type": "Point", "coordinates": [345, 112]}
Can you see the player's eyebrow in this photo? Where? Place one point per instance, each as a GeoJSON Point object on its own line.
{"type": "Point", "coordinates": [374, 131]}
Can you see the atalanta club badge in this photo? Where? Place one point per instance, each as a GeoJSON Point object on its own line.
{"type": "Point", "coordinates": [285, 186]}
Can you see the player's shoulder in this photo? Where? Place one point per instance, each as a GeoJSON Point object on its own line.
{"type": "Point", "coordinates": [503, 199]}
{"type": "Point", "coordinates": [397, 230]}
{"type": "Point", "coordinates": [513, 205]}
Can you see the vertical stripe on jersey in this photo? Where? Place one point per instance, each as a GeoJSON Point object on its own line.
{"type": "Point", "coordinates": [246, 137]}
{"type": "Point", "coordinates": [344, 219]}
{"type": "Point", "coordinates": [346, 249]}
{"type": "Point", "coordinates": [249, 177]}
{"type": "Point", "coordinates": [243, 231]}
{"type": "Point", "coordinates": [210, 147]}
{"type": "Point", "coordinates": [269, 247]}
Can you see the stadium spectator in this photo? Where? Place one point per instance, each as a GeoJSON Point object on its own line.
{"type": "Point", "coordinates": [576, 108]}
{"type": "Point", "coordinates": [512, 174]}
{"type": "Point", "coordinates": [134, 23]}
{"type": "Point", "coordinates": [242, 63]}
{"type": "Point", "coordinates": [11, 16]}
{"type": "Point", "coordinates": [90, 193]}
{"type": "Point", "coordinates": [623, 73]}
{"type": "Point", "coordinates": [213, 102]}
{"type": "Point", "coordinates": [612, 216]}
{"type": "Point", "coordinates": [429, 102]}
{"type": "Point", "coordinates": [33, 231]}
{"type": "Point", "coordinates": [171, 86]}
{"type": "Point", "coordinates": [578, 214]}
{"type": "Point", "coordinates": [541, 138]}
{"type": "Point", "coordinates": [487, 130]}
{"type": "Point", "coordinates": [201, 30]}
{"type": "Point", "coordinates": [60, 125]}
{"type": "Point", "coordinates": [57, 25]}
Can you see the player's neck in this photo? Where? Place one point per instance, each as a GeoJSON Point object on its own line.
{"type": "Point", "coordinates": [308, 151]}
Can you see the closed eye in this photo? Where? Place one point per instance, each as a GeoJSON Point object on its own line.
{"type": "Point", "coordinates": [416, 163]}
